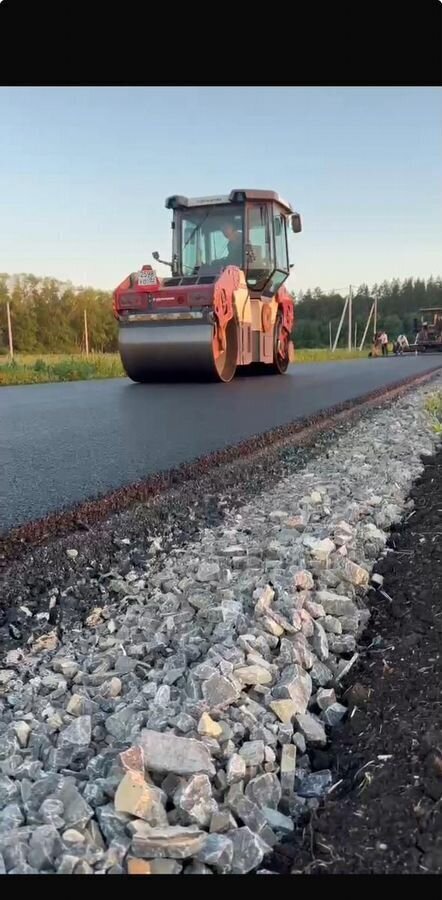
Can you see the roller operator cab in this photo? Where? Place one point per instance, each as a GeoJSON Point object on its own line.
{"type": "Point", "coordinates": [225, 304]}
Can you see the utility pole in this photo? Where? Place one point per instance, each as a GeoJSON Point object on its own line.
{"type": "Point", "coordinates": [355, 344]}
{"type": "Point", "coordinates": [335, 342]}
{"type": "Point", "coordinates": [8, 316]}
{"type": "Point", "coordinates": [330, 334]}
{"type": "Point", "coordinates": [375, 320]}
{"type": "Point", "coordinates": [350, 311]}
{"type": "Point", "coordinates": [366, 327]}
{"type": "Point", "coordinates": [86, 334]}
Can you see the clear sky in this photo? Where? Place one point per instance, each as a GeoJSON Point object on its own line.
{"type": "Point", "coordinates": [84, 173]}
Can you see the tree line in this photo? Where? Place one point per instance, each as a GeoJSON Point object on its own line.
{"type": "Point", "coordinates": [48, 317]}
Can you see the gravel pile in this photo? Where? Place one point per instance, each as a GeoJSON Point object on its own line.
{"type": "Point", "coordinates": [183, 727]}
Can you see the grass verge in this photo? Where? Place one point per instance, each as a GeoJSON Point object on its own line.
{"type": "Point", "coordinates": [28, 369]}
{"type": "Point", "coordinates": [309, 356]}
{"type": "Point", "coordinates": [434, 409]}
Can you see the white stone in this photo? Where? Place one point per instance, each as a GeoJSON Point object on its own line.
{"type": "Point", "coordinates": [236, 769]}
{"type": "Point", "coordinates": [22, 731]}
{"type": "Point", "coordinates": [323, 549]}
{"type": "Point", "coordinates": [253, 675]}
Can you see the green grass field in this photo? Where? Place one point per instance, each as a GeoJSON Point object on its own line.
{"type": "Point", "coordinates": [434, 408]}
{"type": "Point", "coordinates": [44, 368]}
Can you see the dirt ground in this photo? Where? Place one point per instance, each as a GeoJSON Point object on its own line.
{"type": "Point", "coordinates": [385, 816]}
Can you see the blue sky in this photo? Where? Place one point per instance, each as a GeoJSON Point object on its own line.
{"type": "Point", "coordinates": [84, 173]}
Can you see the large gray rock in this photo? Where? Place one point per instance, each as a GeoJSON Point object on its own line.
{"type": "Point", "coordinates": [312, 730]}
{"type": "Point", "coordinates": [264, 790]}
{"type": "Point", "coordinates": [44, 846]}
{"type": "Point", "coordinates": [43, 788]}
{"type": "Point", "coordinates": [52, 812]}
{"type": "Point", "coordinates": [333, 714]}
{"type": "Point", "coordinates": [342, 643]}
{"type": "Point", "coordinates": [320, 674]}
{"type": "Point", "coordinates": [236, 769]}
{"type": "Point", "coordinates": [8, 790]}
{"type": "Point", "coordinates": [208, 571]}
{"type": "Point", "coordinates": [77, 734]}
{"type": "Point", "coordinates": [219, 691]}
{"type": "Point", "coordinates": [248, 850]}
{"type": "Point", "coordinates": [11, 817]}
{"type": "Point", "coordinates": [315, 784]}
{"type": "Point", "coordinates": [185, 723]}
{"type": "Point", "coordinates": [277, 821]}
{"type": "Point", "coordinates": [299, 742]}
{"type": "Point", "coordinates": [373, 537]}
{"type": "Point", "coordinates": [112, 824]}
{"type": "Point", "coordinates": [170, 753]}
{"type": "Point", "coordinates": [77, 812]}
{"type": "Point", "coordinates": [196, 800]}
{"type": "Point", "coordinates": [315, 610]}
{"type": "Point", "coordinates": [173, 842]}
{"type": "Point", "coordinates": [252, 752]}
{"type": "Point", "coordinates": [351, 623]}
{"type": "Point", "coordinates": [322, 549]}
{"type": "Point", "coordinates": [325, 697]}
{"type": "Point", "coordinates": [14, 849]}
{"type": "Point", "coordinates": [67, 667]}
{"type": "Point", "coordinates": [120, 724]}
{"type": "Point", "coordinates": [250, 814]}
{"type": "Point", "coordinates": [332, 625]}
{"type": "Point", "coordinates": [336, 604]}
{"type": "Point", "coordinates": [301, 651]}
{"type": "Point", "coordinates": [217, 852]}
{"type": "Point", "coordinates": [295, 684]}
{"type": "Point", "coordinates": [319, 642]}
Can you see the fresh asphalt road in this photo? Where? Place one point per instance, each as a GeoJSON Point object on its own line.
{"type": "Point", "coordinates": [64, 443]}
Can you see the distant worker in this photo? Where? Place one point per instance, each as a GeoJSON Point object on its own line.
{"type": "Point", "coordinates": [384, 343]}
{"type": "Point", "coordinates": [401, 344]}
{"type": "Point", "coordinates": [234, 246]}
{"type": "Point", "coordinates": [376, 346]}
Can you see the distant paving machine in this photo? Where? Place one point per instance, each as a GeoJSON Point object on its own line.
{"type": "Point", "coordinates": [429, 334]}
{"type": "Point", "coordinates": [225, 305]}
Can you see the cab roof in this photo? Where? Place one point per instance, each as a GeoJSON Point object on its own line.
{"type": "Point", "coordinates": [239, 195]}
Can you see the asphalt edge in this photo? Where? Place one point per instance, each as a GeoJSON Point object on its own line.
{"type": "Point", "coordinates": [80, 517]}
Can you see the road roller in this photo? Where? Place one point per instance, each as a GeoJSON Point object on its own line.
{"type": "Point", "coordinates": [224, 308]}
